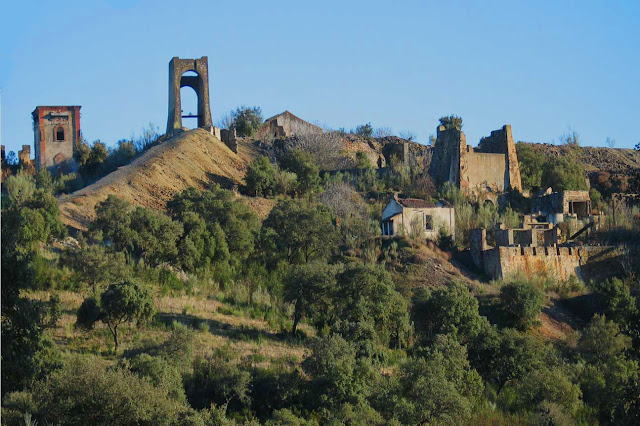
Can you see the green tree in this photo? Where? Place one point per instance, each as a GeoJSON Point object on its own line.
{"type": "Point", "coordinates": [564, 174]}
{"type": "Point", "coordinates": [522, 303]}
{"type": "Point", "coordinates": [30, 217]}
{"type": "Point", "coordinates": [448, 310]}
{"type": "Point", "coordinates": [160, 373]}
{"type": "Point", "coordinates": [609, 380]}
{"type": "Point", "coordinates": [300, 232]}
{"type": "Point", "coordinates": [95, 265]}
{"type": "Point", "coordinates": [364, 130]}
{"type": "Point", "coordinates": [308, 288]}
{"type": "Point", "coordinates": [365, 302]}
{"type": "Point", "coordinates": [119, 303]}
{"type": "Point", "coordinates": [305, 168]}
{"type": "Point", "coordinates": [337, 377]}
{"type": "Point", "coordinates": [247, 120]}
{"type": "Point", "coordinates": [218, 379]}
{"type": "Point", "coordinates": [113, 219]}
{"type": "Point", "coordinates": [451, 122]}
{"type": "Point", "coordinates": [531, 165]}
{"type": "Point", "coordinates": [440, 388]}
{"type": "Point", "coordinates": [154, 236]}
{"type": "Point", "coordinates": [238, 223]}
{"type": "Point", "coordinates": [84, 392]}
{"type": "Point", "coordinates": [261, 177]}
{"type": "Point", "coordinates": [362, 160]}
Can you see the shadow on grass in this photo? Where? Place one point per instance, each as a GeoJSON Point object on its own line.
{"type": "Point", "coordinates": [237, 333]}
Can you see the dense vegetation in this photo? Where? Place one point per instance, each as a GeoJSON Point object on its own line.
{"type": "Point", "coordinates": [319, 281]}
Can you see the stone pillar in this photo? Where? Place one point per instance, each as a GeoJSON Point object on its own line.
{"type": "Point", "coordinates": [199, 83]}
{"type": "Point", "coordinates": [478, 243]}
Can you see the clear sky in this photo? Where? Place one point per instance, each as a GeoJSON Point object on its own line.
{"type": "Point", "coordinates": [541, 66]}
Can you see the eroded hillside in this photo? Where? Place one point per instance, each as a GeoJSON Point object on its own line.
{"type": "Point", "coordinates": [193, 158]}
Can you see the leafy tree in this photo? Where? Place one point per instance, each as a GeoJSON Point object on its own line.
{"type": "Point", "coordinates": [247, 120]}
{"type": "Point", "coordinates": [448, 310]}
{"type": "Point", "coordinates": [261, 177]}
{"type": "Point", "coordinates": [451, 122]}
{"type": "Point", "coordinates": [219, 380]}
{"type": "Point", "coordinates": [307, 287]}
{"type": "Point", "coordinates": [85, 392]}
{"type": "Point", "coordinates": [119, 303]}
{"type": "Point", "coordinates": [521, 302]}
{"type": "Point", "coordinates": [365, 299]}
{"type": "Point", "coordinates": [564, 173]}
{"type": "Point", "coordinates": [531, 165]}
{"type": "Point", "coordinates": [364, 130]}
{"type": "Point", "coordinates": [30, 217]}
{"type": "Point", "coordinates": [155, 236]}
{"type": "Point", "coordinates": [621, 306]}
{"type": "Point", "coordinates": [160, 373]}
{"type": "Point", "coordinates": [238, 223]}
{"type": "Point", "coordinates": [609, 380]}
{"type": "Point", "coordinates": [306, 170]}
{"type": "Point", "coordinates": [362, 160]}
{"type": "Point", "coordinates": [113, 219]}
{"type": "Point", "coordinates": [94, 265]}
{"type": "Point", "coordinates": [199, 247]}
{"type": "Point", "coordinates": [337, 377]}
{"type": "Point", "coordinates": [300, 232]}
{"type": "Point", "coordinates": [440, 388]}
{"type": "Point", "coordinates": [537, 386]}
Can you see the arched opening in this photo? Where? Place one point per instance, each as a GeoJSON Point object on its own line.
{"type": "Point", "coordinates": [58, 134]}
{"type": "Point", "coordinates": [189, 107]}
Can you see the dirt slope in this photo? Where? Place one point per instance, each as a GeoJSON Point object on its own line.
{"type": "Point", "coordinates": [193, 158]}
{"type": "Point", "coordinates": [614, 160]}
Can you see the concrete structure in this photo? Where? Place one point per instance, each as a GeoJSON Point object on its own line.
{"type": "Point", "coordinates": [558, 206]}
{"type": "Point", "coordinates": [559, 263]}
{"type": "Point", "coordinates": [286, 124]}
{"type": "Point", "coordinates": [230, 138]}
{"type": "Point", "coordinates": [416, 216]}
{"type": "Point", "coordinates": [491, 167]}
{"type": "Point", "coordinates": [198, 82]}
{"type": "Point", "coordinates": [56, 131]}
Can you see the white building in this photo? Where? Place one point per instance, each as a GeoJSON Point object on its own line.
{"type": "Point", "coordinates": [414, 216]}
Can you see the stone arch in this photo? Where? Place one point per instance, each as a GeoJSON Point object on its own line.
{"type": "Point", "coordinates": [59, 159]}
{"type": "Point", "coordinates": [198, 82]}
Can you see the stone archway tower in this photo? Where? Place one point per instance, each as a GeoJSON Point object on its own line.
{"type": "Point", "coordinates": [199, 83]}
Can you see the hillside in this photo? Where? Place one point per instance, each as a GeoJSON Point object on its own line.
{"type": "Point", "coordinates": [597, 159]}
{"type": "Point", "coordinates": [193, 158]}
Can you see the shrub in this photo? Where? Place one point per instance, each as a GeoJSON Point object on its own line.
{"type": "Point", "coordinates": [246, 120]}
{"type": "Point", "coordinates": [521, 302]}
{"type": "Point", "coordinates": [261, 177]}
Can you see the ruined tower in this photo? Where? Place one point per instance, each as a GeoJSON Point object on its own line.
{"type": "Point", "coordinates": [56, 131]}
{"type": "Point", "coordinates": [491, 167]}
{"type": "Point", "coordinates": [199, 83]}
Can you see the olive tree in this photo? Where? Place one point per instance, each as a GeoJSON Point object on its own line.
{"type": "Point", "coordinates": [119, 304]}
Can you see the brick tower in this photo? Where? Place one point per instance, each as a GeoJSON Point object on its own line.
{"type": "Point", "coordinates": [56, 131]}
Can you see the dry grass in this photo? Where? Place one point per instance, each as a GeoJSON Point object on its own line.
{"type": "Point", "coordinates": [247, 337]}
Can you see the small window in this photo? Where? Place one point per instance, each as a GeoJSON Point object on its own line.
{"type": "Point", "coordinates": [428, 222]}
{"type": "Point", "coordinates": [59, 134]}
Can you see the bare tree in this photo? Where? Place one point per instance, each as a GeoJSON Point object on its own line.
{"type": "Point", "coordinates": [382, 132]}
{"type": "Point", "coordinates": [343, 200]}
{"type": "Point", "coordinates": [408, 135]}
{"type": "Point", "coordinates": [326, 148]}
{"type": "Point", "coordinates": [226, 121]}
{"type": "Point", "coordinates": [149, 135]}
{"type": "Point", "coordinates": [611, 143]}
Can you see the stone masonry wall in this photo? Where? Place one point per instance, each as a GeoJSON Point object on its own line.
{"type": "Point", "coordinates": [501, 142]}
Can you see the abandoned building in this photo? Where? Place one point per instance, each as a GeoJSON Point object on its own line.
{"type": "Point", "coordinates": [491, 167]}
{"type": "Point", "coordinates": [198, 82]}
{"type": "Point", "coordinates": [558, 206]}
{"type": "Point", "coordinates": [286, 124]}
{"type": "Point", "coordinates": [56, 131]}
{"type": "Point", "coordinates": [414, 216]}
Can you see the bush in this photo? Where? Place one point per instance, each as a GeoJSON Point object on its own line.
{"type": "Point", "coordinates": [521, 302]}
{"type": "Point", "coordinates": [246, 120]}
{"type": "Point", "coordinates": [261, 177]}
{"type": "Point", "coordinates": [83, 392]}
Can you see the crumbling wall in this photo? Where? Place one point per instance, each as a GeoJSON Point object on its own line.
{"type": "Point", "coordinates": [448, 163]}
{"type": "Point", "coordinates": [501, 142]}
{"type": "Point", "coordinates": [487, 171]}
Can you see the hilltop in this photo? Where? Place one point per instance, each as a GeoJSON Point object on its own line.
{"type": "Point", "coordinates": [192, 158]}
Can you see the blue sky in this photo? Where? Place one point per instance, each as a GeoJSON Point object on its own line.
{"type": "Point", "coordinates": [543, 66]}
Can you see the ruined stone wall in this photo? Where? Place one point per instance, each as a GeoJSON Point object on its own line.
{"type": "Point", "coordinates": [448, 163]}
{"type": "Point", "coordinates": [487, 171]}
{"type": "Point", "coordinates": [501, 142]}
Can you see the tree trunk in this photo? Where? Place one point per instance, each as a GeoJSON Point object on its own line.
{"type": "Point", "coordinates": [114, 331]}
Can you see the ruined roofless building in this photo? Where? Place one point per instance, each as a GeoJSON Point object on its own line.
{"type": "Point", "coordinates": [198, 82]}
{"type": "Point", "coordinates": [56, 131]}
{"type": "Point", "coordinates": [492, 166]}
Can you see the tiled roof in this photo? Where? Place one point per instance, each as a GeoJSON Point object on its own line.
{"type": "Point", "coordinates": [415, 203]}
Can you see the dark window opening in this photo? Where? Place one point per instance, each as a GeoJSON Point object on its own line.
{"type": "Point", "coordinates": [59, 134]}
{"type": "Point", "coordinates": [428, 222]}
